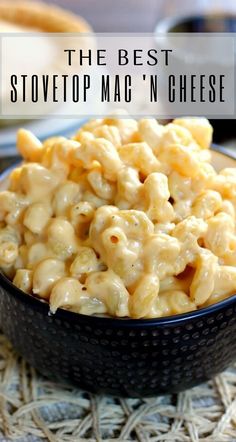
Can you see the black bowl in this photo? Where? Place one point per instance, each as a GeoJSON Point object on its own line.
{"type": "Point", "coordinates": [117, 356]}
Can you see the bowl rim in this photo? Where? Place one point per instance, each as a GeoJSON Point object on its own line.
{"type": "Point", "coordinates": [172, 320]}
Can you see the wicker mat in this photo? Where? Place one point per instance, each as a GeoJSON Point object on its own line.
{"type": "Point", "coordinates": [33, 409]}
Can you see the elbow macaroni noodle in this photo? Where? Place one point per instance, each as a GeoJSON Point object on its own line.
{"type": "Point", "coordinates": [128, 219]}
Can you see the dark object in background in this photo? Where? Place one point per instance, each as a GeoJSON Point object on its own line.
{"type": "Point", "coordinates": [7, 162]}
{"type": "Point", "coordinates": [224, 130]}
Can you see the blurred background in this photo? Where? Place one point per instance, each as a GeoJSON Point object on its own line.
{"type": "Point", "coordinates": [139, 15]}
{"type": "Point", "coordinates": [136, 16]}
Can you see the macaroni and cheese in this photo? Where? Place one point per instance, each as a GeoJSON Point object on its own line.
{"type": "Point", "coordinates": [127, 219]}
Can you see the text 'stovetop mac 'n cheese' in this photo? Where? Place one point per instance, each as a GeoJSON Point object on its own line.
{"type": "Point", "coordinates": [127, 219]}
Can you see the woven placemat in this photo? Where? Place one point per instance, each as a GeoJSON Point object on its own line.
{"type": "Point", "coordinates": [33, 409]}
